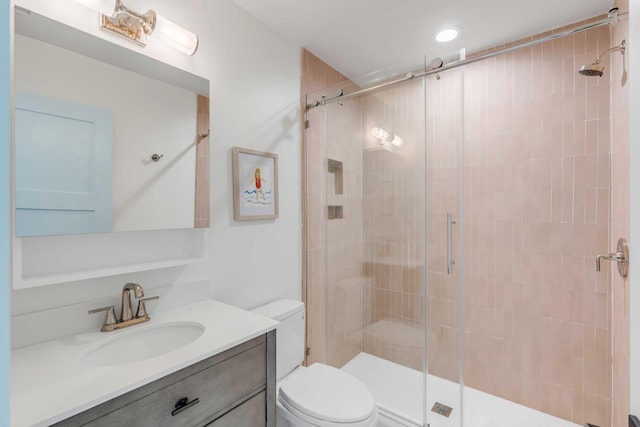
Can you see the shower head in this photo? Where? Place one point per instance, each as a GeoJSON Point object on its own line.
{"type": "Point", "coordinates": [595, 68]}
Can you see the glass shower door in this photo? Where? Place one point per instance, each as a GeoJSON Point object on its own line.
{"type": "Point", "coordinates": [375, 245]}
{"type": "Point", "coordinates": [444, 242]}
{"type": "Point", "coordinates": [343, 231]}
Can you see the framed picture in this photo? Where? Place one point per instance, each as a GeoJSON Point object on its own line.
{"type": "Point", "coordinates": [255, 184]}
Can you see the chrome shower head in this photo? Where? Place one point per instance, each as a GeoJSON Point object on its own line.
{"type": "Point", "coordinates": [596, 69]}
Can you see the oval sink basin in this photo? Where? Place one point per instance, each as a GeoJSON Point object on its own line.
{"type": "Point", "coordinates": [143, 344]}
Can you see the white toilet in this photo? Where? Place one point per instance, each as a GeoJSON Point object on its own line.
{"type": "Point", "coordinates": [318, 395]}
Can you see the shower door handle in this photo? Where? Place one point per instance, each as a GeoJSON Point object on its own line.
{"type": "Point", "coordinates": [450, 260]}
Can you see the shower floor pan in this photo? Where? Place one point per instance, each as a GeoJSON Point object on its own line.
{"type": "Point", "coordinates": [398, 390]}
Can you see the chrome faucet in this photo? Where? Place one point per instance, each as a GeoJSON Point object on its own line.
{"type": "Point", "coordinates": [621, 256]}
{"type": "Point", "coordinates": [126, 312]}
{"type": "Point", "coordinates": [111, 323]}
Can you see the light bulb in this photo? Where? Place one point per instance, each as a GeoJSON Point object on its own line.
{"type": "Point", "coordinates": [447, 35]}
{"type": "Point", "coordinates": [386, 135]}
{"type": "Point", "coordinates": [382, 135]}
{"type": "Point", "coordinates": [105, 7]}
{"type": "Point", "coordinates": [176, 36]}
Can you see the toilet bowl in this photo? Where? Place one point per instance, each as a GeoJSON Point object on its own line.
{"type": "Point", "coordinates": [318, 395]}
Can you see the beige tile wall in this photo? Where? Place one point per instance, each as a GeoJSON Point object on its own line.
{"type": "Point", "coordinates": [537, 211]}
{"type": "Point", "coordinates": [444, 121]}
{"type": "Point", "coordinates": [393, 225]}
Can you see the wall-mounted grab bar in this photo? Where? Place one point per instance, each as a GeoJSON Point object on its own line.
{"type": "Point", "coordinates": [450, 260]}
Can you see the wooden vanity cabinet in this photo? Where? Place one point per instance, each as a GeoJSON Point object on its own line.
{"type": "Point", "coordinates": [233, 388]}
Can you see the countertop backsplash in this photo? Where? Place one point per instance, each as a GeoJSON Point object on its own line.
{"type": "Point", "coordinates": [32, 328]}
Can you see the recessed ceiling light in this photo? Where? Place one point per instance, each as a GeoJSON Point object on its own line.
{"type": "Point", "coordinates": [447, 35]}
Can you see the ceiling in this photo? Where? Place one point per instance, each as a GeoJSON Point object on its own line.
{"type": "Point", "coordinates": [359, 37]}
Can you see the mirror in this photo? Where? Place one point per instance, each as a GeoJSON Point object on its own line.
{"type": "Point", "coordinates": [106, 139]}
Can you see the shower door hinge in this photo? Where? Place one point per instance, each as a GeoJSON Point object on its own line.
{"type": "Point", "coordinates": [308, 351]}
{"type": "Point", "coordinates": [306, 124]}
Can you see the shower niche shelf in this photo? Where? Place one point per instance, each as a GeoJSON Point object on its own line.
{"type": "Point", "coordinates": [335, 170]}
{"type": "Point", "coordinates": [335, 212]}
{"type": "Point", "coordinates": [335, 167]}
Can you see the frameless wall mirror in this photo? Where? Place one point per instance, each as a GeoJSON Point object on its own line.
{"type": "Point", "coordinates": [106, 139]}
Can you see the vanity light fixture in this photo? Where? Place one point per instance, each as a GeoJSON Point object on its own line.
{"type": "Point", "coordinates": [447, 34]}
{"type": "Point", "coordinates": [397, 141]}
{"type": "Point", "coordinates": [115, 17]}
{"type": "Point", "coordinates": [383, 137]}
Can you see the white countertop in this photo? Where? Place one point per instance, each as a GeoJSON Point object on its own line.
{"type": "Point", "coordinates": [51, 382]}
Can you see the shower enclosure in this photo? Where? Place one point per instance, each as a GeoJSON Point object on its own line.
{"type": "Point", "coordinates": [452, 222]}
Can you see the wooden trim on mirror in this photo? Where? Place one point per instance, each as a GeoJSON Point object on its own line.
{"type": "Point", "coordinates": [202, 164]}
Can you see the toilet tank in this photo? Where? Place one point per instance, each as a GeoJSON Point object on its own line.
{"type": "Point", "coordinates": [289, 333]}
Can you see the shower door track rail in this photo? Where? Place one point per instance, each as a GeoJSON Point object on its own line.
{"type": "Point", "coordinates": [610, 20]}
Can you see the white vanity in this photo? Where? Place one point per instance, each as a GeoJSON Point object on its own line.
{"type": "Point", "coordinates": [229, 368]}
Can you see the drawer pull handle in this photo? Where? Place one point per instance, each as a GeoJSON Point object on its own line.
{"type": "Point", "coordinates": [184, 404]}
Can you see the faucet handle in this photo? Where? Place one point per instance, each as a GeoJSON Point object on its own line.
{"type": "Point", "coordinates": [621, 257]}
{"type": "Point", "coordinates": [110, 317]}
{"type": "Point", "coordinates": [142, 309]}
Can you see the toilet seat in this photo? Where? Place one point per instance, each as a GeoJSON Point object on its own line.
{"type": "Point", "coordinates": [325, 396]}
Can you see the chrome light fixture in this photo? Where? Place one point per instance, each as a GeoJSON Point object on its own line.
{"type": "Point", "coordinates": [115, 17]}
{"type": "Point", "coordinates": [384, 137]}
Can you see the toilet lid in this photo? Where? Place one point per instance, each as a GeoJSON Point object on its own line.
{"type": "Point", "coordinates": [327, 394]}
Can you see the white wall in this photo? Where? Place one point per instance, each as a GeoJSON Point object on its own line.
{"type": "Point", "coordinates": [255, 85]}
{"type": "Point", "coordinates": [5, 208]}
{"type": "Point", "coordinates": [634, 188]}
{"type": "Point", "coordinates": [255, 80]}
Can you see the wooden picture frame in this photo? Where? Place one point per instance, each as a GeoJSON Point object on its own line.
{"type": "Point", "coordinates": [255, 184]}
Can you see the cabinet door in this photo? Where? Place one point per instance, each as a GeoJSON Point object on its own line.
{"type": "Point", "coordinates": [218, 389]}
{"type": "Point", "coordinates": [251, 413]}
{"type": "Point", "coordinates": [242, 377]}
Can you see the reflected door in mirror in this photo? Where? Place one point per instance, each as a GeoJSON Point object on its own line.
{"type": "Point", "coordinates": [64, 156]}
